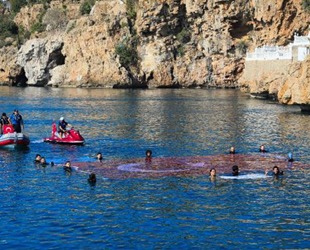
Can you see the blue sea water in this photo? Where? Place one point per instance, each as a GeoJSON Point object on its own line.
{"type": "Point", "coordinates": [45, 208]}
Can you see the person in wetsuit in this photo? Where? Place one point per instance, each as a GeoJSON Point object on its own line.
{"type": "Point", "coordinates": [276, 171]}
{"type": "Point", "coordinates": [262, 149]}
{"type": "Point", "coordinates": [235, 170]}
{"type": "Point", "coordinates": [232, 150]}
{"type": "Point", "coordinates": [4, 121]}
{"type": "Point", "coordinates": [67, 167]}
{"type": "Point", "coordinates": [148, 155]}
{"type": "Point", "coordinates": [212, 173]}
{"type": "Point", "coordinates": [99, 157]}
{"type": "Point", "coordinates": [92, 178]}
{"type": "Point", "coordinates": [44, 163]}
{"type": "Point", "coordinates": [38, 158]}
{"type": "Point", "coordinates": [290, 157]}
{"type": "Point", "coordinates": [17, 121]}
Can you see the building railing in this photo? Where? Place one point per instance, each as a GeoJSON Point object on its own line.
{"type": "Point", "coordinates": [270, 53]}
{"type": "Point", "coordinates": [280, 53]}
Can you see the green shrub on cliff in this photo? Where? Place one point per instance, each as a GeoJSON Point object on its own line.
{"type": "Point", "coordinates": [39, 26]}
{"type": "Point", "coordinates": [86, 7]}
{"type": "Point", "coordinates": [8, 31]}
{"type": "Point", "coordinates": [131, 9]}
{"type": "Point", "coordinates": [184, 36]}
{"type": "Point", "coordinates": [39, 1]}
{"type": "Point", "coordinates": [306, 5]}
{"type": "Point", "coordinates": [7, 26]}
{"type": "Point", "coordinates": [127, 53]}
{"type": "Point", "coordinates": [242, 46]}
{"type": "Point", "coordinates": [16, 5]}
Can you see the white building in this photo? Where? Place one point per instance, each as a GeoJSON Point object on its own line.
{"type": "Point", "coordinates": [296, 51]}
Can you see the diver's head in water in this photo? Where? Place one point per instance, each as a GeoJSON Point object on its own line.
{"type": "Point", "coordinates": [290, 157]}
{"type": "Point", "coordinates": [99, 157]}
{"type": "Point", "coordinates": [38, 158]}
{"type": "Point", "coordinates": [92, 178]}
{"type": "Point", "coordinates": [43, 161]}
{"type": "Point", "coordinates": [212, 172]}
{"type": "Point", "coordinates": [276, 171]}
{"type": "Point", "coordinates": [232, 150]}
{"type": "Point", "coordinates": [262, 149]}
{"type": "Point", "coordinates": [235, 170]}
{"type": "Point", "coordinates": [67, 166]}
{"type": "Point", "coordinates": [148, 155]}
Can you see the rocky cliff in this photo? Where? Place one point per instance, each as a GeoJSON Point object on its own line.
{"type": "Point", "coordinates": [158, 43]}
{"type": "Point", "coordinates": [289, 84]}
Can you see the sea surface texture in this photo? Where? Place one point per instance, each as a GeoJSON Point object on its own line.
{"type": "Point", "coordinates": [48, 208]}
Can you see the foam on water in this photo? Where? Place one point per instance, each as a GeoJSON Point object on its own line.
{"type": "Point", "coordinates": [37, 141]}
{"type": "Point", "coordinates": [246, 176]}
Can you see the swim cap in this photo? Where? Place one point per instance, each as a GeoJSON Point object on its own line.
{"type": "Point", "coordinates": [3, 114]}
{"type": "Point", "coordinates": [290, 155]}
{"type": "Point", "coordinates": [61, 119]}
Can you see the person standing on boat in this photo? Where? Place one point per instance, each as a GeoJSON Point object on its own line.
{"type": "Point", "coordinates": [17, 121]}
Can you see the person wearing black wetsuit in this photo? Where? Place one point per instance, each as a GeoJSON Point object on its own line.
{"type": "Point", "coordinates": [232, 150]}
{"type": "Point", "coordinates": [4, 121]}
{"type": "Point", "coordinates": [276, 171]}
{"type": "Point", "coordinates": [99, 157]}
{"type": "Point", "coordinates": [148, 155]}
{"type": "Point", "coordinates": [38, 158]}
{"type": "Point", "coordinates": [262, 149]}
{"type": "Point", "coordinates": [235, 170]}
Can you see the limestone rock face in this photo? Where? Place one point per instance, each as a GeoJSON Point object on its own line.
{"type": "Point", "coordinates": [183, 43]}
{"type": "Point", "coordinates": [289, 86]}
{"type": "Point", "coordinates": [295, 86]}
{"type": "Point", "coordinates": [28, 16]}
{"type": "Point", "coordinates": [89, 48]}
{"type": "Point", "coordinates": [8, 68]}
{"type": "Point", "coordinates": [37, 57]}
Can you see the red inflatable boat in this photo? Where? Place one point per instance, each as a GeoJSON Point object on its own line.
{"type": "Point", "coordinates": [10, 137]}
{"type": "Point", "coordinates": [70, 137]}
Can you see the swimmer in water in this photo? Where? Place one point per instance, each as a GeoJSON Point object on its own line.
{"type": "Point", "coordinates": [290, 157]}
{"type": "Point", "coordinates": [92, 178]}
{"type": "Point", "coordinates": [235, 170]}
{"type": "Point", "coordinates": [67, 166]}
{"type": "Point", "coordinates": [37, 159]}
{"type": "Point", "coordinates": [212, 173]}
{"type": "Point", "coordinates": [262, 149]}
{"type": "Point", "coordinates": [276, 171]}
{"type": "Point", "coordinates": [232, 150]}
{"type": "Point", "coordinates": [148, 155]}
{"type": "Point", "coordinates": [44, 163]}
{"type": "Point", "coordinates": [99, 157]}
